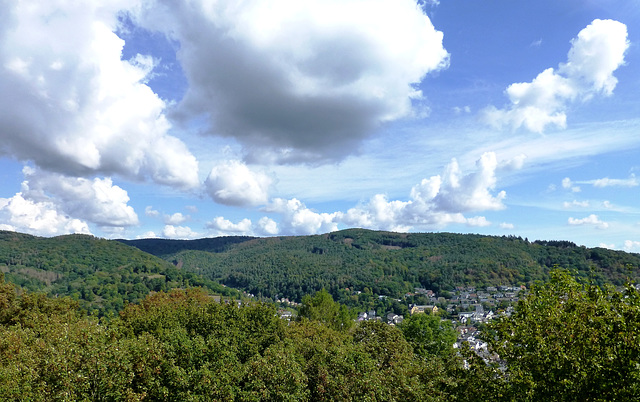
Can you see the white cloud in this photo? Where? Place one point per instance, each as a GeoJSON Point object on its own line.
{"type": "Point", "coordinates": [379, 213]}
{"type": "Point", "coordinates": [97, 201]}
{"type": "Point", "coordinates": [479, 221]}
{"type": "Point", "coordinates": [300, 81]}
{"type": "Point", "coordinates": [607, 182]}
{"type": "Point", "coordinates": [609, 246]}
{"type": "Point", "coordinates": [226, 226]}
{"type": "Point", "coordinates": [575, 203]}
{"type": "Point", "coordinates": [595, 54]}
{"type": "Point", "coordinates": [506, 226]}
{"type": "Point", "coordinates": [71, 105]}
{"type": "Point", "coordinates": [233, 183]}
{"type": "Point", "coordinates": [631, 246]}
{"type": "Point", "coordinates": [149, 211]}
{"type": "Point", "coordinates": [148, 235]}
{"type": "Point", "coordinates": [470, 192]}
{"type": "Point", "coordinates": [435, 202]}
{"type": "Point", "coordinates": [297, 219]}
{"type": "Point", "coordinates": [589, 220]}
{"type": "Point", "coordinates": [568, 184]}
{"type": "Point", "coordinates": [40, 218]}
{"type": "Point", "coordinates": [266, 227]}
{"type": "Point", "coordinates": [9, 228]}
{"type": "Point", "coordinates": [179, 232]}
{"type": "Point", "coordinates": [176, 219]}
{"type": "Point", "coordinates": [515, 163]}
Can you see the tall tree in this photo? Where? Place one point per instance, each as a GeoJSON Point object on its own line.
{"type": "Point", "coordinates": [321, 307]}
{"type": "Point", "coordinates": [429, 335]}
{"type": "Point", "coordinates": [568, 341]}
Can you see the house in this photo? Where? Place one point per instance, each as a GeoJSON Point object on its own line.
{"type": "Point", "coordinates": [394, 319]}
{"type": "Point", "coordinates": [415, 309]}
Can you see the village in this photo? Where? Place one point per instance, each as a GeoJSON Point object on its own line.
{"type": "Point", "coordinates": [467, 307]}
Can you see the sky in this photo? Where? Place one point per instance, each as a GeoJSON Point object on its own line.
{"type": "Point", "coordinates": [201, 118]}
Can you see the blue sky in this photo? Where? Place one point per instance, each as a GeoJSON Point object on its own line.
{"type": "Point", "coordinates": [158, 118]}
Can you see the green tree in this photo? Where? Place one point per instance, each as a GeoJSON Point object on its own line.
{"type": "Point", "coordinates": [321, 307]}
{"type": "Point", "coordinates": [429, 335]}
{"type": "Point", "coordinates": [568, 341]}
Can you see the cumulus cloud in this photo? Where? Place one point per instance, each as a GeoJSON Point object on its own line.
{"type": "Point", "coordinates": [479, 221]}
{"type": "Point", "coordinates": [591, 220]}
{"type": "Point", "coordinates": [297, 219]}
{"type": "Point", "coordinates": [300, 81]}
{"type": "Point", "coordinates": [98, 201]}
{"type": "Point", "coordinates": [436, 201]}
{"type": "Point", "coordinates": [470, 192]}
{"type": "Point", "coordinates": [71, 105]}
{"type": "Point", "coordinates": [41, 218]}
{"type": "Point", "coordinates": [233, 183]}
{"type": "Point", "coordinates": [266, 227]}
{"type": "Point", "coordinates": [506, 226]}
{"type": "Point", "coordinates": [433, 203]}
{"type": "Point", "coordinates": [179, 232]}
{"type": "Point", "coordinates": [595, 54]}
{"type": "Point", "coordinates": [567, 184]}
{"type": "Point", "coordinates": [224, 227]}
{"type": "Point", "coordinates": [149, 211]}
{"type": "Point", "coordinates": [176, 219]}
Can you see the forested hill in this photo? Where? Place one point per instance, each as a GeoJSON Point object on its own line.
{"type": "Point", "coordinates": [165, 247]}
{"type": "Point", "coordinates": [102, 274]}
{"type": "Point", "coordinates": [392, 264]}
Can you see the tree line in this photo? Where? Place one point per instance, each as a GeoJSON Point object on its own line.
{"type": "Point", "coordinates": [567, 341]}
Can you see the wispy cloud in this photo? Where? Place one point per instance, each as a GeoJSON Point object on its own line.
{"type": "Point", "coordinates": [591, 220]}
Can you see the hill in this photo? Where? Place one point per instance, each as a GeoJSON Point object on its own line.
{"type": "Point", "coordinates": [392, 264]}
{"type": "Point", "coordinates": [165, 247]}
{"type": "Point", "coordinates": [102, 274]}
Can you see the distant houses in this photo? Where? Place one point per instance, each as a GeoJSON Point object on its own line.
{"type": "Point", "coordinates": [431, 309]}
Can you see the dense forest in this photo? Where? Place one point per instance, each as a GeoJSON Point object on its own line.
{"type": "Point", "coordinates": [103, 275]}
{"type": "Point", "coordinates": [355, 266]}
{"type": "Point", "coordinates": [391, 264]}
{"type": "Point", "coordinates": [83, 318]}
{"type": "Point", "coordinates": [567, 341]}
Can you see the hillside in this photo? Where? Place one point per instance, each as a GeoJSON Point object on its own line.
{"type": "Point", "coordinates": [392, 264]}
{"type": "Point", "coordinates": [102, 274]}
{"type": "Point", "coordinates": [354, 265]}
{"type": "Point", "coordinates": [165, 247]}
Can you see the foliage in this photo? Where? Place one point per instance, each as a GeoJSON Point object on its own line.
{"type": "Point", "coordinates": [102, 275]}
{"type": "Point", "coordinates": [569, 341]}
{"type": "Point", "coordinates": [322, 308]}
{"type": "Point", "coordinates": [165, 247]}
{"type": "Point", "coordinates": [393, 264]}
{"type": "Point", "coordinates": [429, 335]}
{"type": "Point", "coordinates": [183, 345]}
